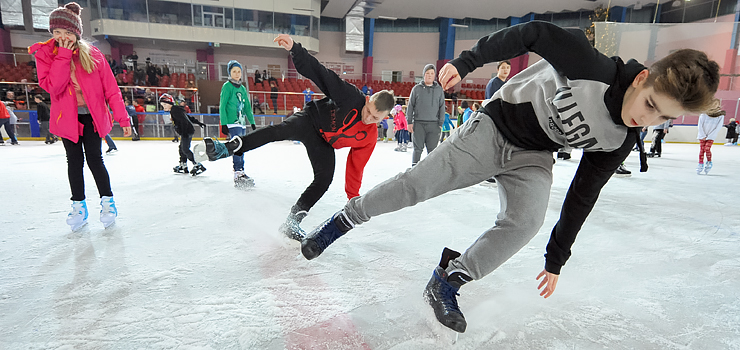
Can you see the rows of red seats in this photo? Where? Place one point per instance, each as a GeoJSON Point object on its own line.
{"type": "Point", "coordinates": [178, 80]}
{"type": "Point", "coordinates": [11, 72]}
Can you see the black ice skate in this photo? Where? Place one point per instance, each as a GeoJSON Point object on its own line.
{"type": "Point", "coordinates": [181, 169]}
{"type": "Point", "coordinates": [441, 292]}
{"type": "Point", "coordinates": [212, 149]}
{"type": "Point", "coordinates": [242, 181]}
{"type": "Point", "coordinates": [316, 242]}
{"type": "Point", "coordinates": [197, 169]}
{"type": "Point", "coordinates": [291, 228]}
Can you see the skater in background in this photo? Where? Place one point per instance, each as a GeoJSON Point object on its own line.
{"type": "Point", "coordinates": [111, 145]}
{"type": "Point", "coordinates": [399, 124]}
{"type": "Point", "coordinates": [383, 129]}
{"type": "Point", "coordinates": [131, 110]}
{"type": "Point", "coordinates": [235, 111]}
{"type": "Point", "coordinates": [12, 119]}
{"type": "Point", "coordinates": [42, 110]}
{"type": "Point", "coordinates": [5, 123]}
{"type": "Point", "coordinates": [426, 113]}
{"type": "Point", "coordinates": [446, 127]}
{"type": "Point", "coordinates": [516, 146]}
{"type": "Point", "coordinates": [274, 96]}
{"type": "Point", "coordinates": [82, 89]}
{"type": "Point", "coordinates": [732, 133]}
{"type": "Point", "coordinates": [344, 118]}
{"type": "Point", "coordinates": [183, 125]}
{"type": "Point", "coordinates": [708, 129]}
{"type": "Point", "coordinates": [659, 132]}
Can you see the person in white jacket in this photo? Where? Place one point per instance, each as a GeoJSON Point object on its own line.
{"type": "Point", "coordinates": [708, 129]}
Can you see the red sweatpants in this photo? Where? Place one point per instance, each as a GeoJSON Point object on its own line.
{"type": "Point", "coordinates": [705, 146]}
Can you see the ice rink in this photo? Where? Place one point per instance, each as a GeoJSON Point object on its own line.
{"type": "Point", "coordinates": [194, 263]}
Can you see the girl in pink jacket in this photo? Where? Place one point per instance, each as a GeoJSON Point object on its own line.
{"type": "Point", "coordinates": [82, 87]}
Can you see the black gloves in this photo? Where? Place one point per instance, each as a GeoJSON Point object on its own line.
{"type": "Point", "coordinates": [254, 127]}
{"type": "Point", "coordinates": [225, 129]}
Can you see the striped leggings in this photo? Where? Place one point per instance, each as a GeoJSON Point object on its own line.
{"type": "Point", "coordinates": [705, 146]}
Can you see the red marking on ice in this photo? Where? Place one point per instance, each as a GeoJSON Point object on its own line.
{"type": "Point", "coordinates": [336, 333]}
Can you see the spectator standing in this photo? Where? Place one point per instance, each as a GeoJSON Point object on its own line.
{"type": "Point", "coordinates": [274, 95]}
{"type": "Point", "coordinates": [307, 95]}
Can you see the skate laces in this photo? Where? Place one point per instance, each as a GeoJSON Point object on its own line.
{"type": "Point", "coordinates": [448, 294]}
{"type": "Point", "coordinates": [328, 233]}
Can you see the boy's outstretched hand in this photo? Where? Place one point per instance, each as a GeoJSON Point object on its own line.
{"type": "Point", "coordinates": [549, 282]}
{"type": "Point", "coordinates": [285, 41]}
{"type": "Point", "coordinates": [448, 76]}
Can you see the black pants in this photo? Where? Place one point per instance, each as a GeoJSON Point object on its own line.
{"type": "Point", "coordinates": [274, 104]}
{"type": "Point", "coordinates": [89, 141]}
{"type": "Point", "coordinates": [135, 125]}
{"type": "Point", "coordinates": [185, 152]}
{"type": "Point", "coordinates": [657, 146]}
{"type": "Point", "coordinates": [44, 131]}
{"type": "Point", "coordinates": [300, 128]}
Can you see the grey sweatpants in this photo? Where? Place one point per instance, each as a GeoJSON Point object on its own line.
{"type": "Point", "coordinates": [473, 153]}
{"type": "Point", "coordinates": [425, 134]}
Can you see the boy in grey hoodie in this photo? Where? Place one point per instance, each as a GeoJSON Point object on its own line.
{"type": "Point", "coordinates": [426, 113]}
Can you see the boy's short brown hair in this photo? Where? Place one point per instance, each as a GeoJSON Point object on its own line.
{"type": "Point", "coordinates": [38, 97]}
{"type": "Point", "coordinates": [384, 100]}
{"type": "Point", "coordinates": [689, 77]}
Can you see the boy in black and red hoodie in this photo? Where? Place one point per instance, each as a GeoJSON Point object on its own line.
{"type": "Point", "coordinates": [344, 118]}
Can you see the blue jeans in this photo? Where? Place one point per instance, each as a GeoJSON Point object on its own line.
{"type": "Point", "coordinates": [238, 160]}
{"type": "Point", "coordinates": [9, 128]}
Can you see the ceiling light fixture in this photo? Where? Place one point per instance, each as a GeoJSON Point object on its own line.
{"type": "Point", "coordinates": [388, 18]}
{"type": "Point", "coordinates": [458, 25]}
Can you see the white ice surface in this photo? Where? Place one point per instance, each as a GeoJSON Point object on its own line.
{"type": "Point", "coordinates": [194, 263]}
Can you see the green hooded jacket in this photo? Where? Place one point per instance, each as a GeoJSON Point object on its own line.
{"type": "Point", "coordinates": [235, 105]}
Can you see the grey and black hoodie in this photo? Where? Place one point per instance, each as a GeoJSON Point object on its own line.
{"type": "Point", "coordinates": [426, 103]}
{"type": "Point", "coordinates": [570, 99]}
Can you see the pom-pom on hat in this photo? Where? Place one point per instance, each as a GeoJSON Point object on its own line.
{"type": "Point", "coordinates": [167, 98]}
{"type": "Point", "coordinates": [67, 17]}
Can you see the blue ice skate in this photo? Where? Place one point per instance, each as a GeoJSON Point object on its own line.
{"type": "Point", "coordinates": [316, 242]}
{"type": "Point", "coordinates": [441, 293]}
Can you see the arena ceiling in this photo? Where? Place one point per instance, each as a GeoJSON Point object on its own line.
{"type": "Point", "coordinates": [480, 9]}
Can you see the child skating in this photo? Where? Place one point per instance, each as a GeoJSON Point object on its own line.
{"type": "Point", "coordinates": [235, 111]}
{"type": "Point", "coordinates": [344, 118]}
{"type": "Point", "coordinates": [184, 127]}
{"type": "Point", "coordinates": [574, 97]}
{"type": "Point", "coordinates": [82, 89]}
{"type": "Point", "coordinates": [708, 128]}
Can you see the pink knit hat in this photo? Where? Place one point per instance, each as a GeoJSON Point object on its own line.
{"type": "Point", "coordinates": [67, 17]}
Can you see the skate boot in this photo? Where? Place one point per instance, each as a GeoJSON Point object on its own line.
{"type": "Point", "coordinates": [622, 171]}
{"type": "Point", "coordinates": [291, 228]}
{"type": "Point", "coordinates": [699, 168]}
{"type": "Point", "coordinates": [181, 169]}
{"type": "Point", "coordinates": [441, 293]}
{"type": "Point", "coordinates": [707, 167]}
{"type": "Point", "coordinates": [405, 147]}
{"type": "Point", "coordinates": [242, 181]}
{"type": "Point", "coordinates": [109, 212]}
{"type": "Point", "coordinates": [212, 149]}
{"type": "Point", "coordinates": [77, 217]}
{"type": "Point", "coordinates": [398, 149]}
{"type": "Point", "coordinates": [316, 242]}
{"type": "Point", "coordinates": [197, 169]}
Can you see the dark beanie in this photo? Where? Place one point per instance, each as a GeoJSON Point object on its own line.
{"type": "Point", "coordinates": [232, 64]}
{"type": "Point", "coordinates": [428, 67]}
{"type": "Point", "coordinates": [67, 17]}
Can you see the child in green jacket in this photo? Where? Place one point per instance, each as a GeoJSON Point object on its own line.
{"type": "Point", "coordinates": [235, 110]}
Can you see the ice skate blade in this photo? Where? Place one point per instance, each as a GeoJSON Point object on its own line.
{"type": "Point", "coordinates": [622, 175]}
{"type": "Point", "coordinates": [77, 227]}
{"type": "Point", "coordinates": [107, 225]}
{"type": "Point", "coordinates": [199, 152]}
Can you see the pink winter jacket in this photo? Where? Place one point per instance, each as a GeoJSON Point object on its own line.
{"type": "Point", "coordinates": [99, 89]}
